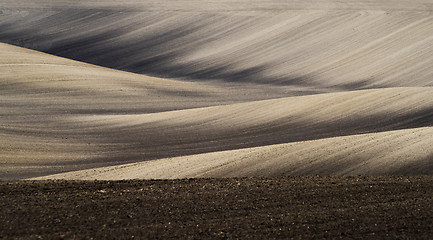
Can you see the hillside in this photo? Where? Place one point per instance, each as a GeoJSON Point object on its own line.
{"type": "Point", "coordinates": [181, 88]}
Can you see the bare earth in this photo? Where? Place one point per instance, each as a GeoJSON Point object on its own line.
{"type": "Point", "coordinates": [241, 104]}
{"type": "Point", "coordinates": [227, 88]}
{"type": "Point", "coordinates": [242, 208]}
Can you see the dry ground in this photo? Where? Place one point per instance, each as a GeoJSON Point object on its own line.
{"type": "Point", "coordinates": [226, 88]}
{"type": "Point", "coordinates": [59, 115]}
{"type": "Point", "coordinates": [243, 208]}
{"type": "Point", "coordinates": [190, 89]}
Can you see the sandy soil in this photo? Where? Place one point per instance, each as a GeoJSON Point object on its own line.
{"type": "Point", "coordinates": [264, 88]}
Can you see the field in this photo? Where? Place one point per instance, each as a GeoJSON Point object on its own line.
{"type": "Point", "coordinates": [215, 89]}
{"type": "Point", "coordinates": [235, 208]}
{"type": "Point", "coordinates": [215, 119]}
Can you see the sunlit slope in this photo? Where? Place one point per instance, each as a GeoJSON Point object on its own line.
{"type": "Point", "coordinates": [339, 45]}
{"type": "Point", "coordinates": [40, 94]}
{"type": "Point", "coordinates": [107, 139]}
{"type": "Point", "coordinates": [402, 152]}
{"type": "Point", "coordinates": [312, 75]}
{"type": "Point", "coordinates": [46, 84]}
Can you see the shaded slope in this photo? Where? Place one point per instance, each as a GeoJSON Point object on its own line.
{"type": "Point", "coordinates": [59, 115]}
{"type": "Point", "coordinates": [313, 44]}
{"type": "Point", "coordinates": [39, 91]}
{"type": "Point", "coordinates": [371, 62]}
{"type": "Point", "coordinates": [402, 152]}
{"type": "Point", "coordinates": [56, 85]}
{"type": "Point", "coordinates": [130, 138]}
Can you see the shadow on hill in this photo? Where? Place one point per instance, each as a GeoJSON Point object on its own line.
{"type": "Point", "coordinates": [66, 33]}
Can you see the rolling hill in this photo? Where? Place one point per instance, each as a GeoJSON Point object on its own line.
{"type": "Point", "coordinates": [215, 89]}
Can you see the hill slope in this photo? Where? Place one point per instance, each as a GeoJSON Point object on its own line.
{"type": "Point", "coordinates": [403, 152]}
{"type": "Point", "coordinates": [244, 75]}
{"type": "Point", "coordinates": [40, 94]}
{"type": "Point", "coordinates": [314, 44]}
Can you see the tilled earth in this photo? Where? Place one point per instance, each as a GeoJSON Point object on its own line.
{"type": "Point", "coordinates": [245, 208]}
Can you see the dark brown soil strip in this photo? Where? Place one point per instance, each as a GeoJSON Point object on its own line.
{"type": "Point", "coordinates": [294, 207]}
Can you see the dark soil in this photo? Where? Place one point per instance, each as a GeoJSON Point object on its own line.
{"type": "Point", "coordinates": [294, 207]}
